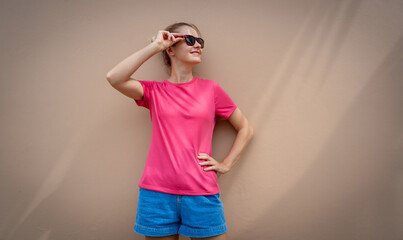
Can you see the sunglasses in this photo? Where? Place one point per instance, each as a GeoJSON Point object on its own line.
{"type": "Point", "coordinates": [191, 40]}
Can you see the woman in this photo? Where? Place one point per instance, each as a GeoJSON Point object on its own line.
{"type": "Point", "coordinates": [178, 191]}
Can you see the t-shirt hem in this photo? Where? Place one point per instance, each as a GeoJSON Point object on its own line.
{"type": "Point", "coordinates": [180, 192]}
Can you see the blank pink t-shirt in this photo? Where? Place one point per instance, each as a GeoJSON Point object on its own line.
{"type": "Point", "coordinates": [183, 117]}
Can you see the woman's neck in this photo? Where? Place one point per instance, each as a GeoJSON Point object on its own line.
{"type": "Point", "coordinates": [181, 74]}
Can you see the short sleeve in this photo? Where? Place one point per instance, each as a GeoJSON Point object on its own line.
{"type": "Point", "coordinates": [224, 105]}
{"type": "Point", "coordinates": [147, 88]}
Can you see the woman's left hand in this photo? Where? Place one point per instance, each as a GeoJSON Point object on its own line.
{"type": "Point", "coordinates": [219, 167]}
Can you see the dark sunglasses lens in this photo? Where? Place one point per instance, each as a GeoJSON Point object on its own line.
{"type": "Point", "coordinates": [201, 41]}
{"type": "Point", "coordinates": [190, 40]}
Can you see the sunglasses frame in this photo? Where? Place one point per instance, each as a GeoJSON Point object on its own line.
{"type": "Point", "coordinates": [189, 39]}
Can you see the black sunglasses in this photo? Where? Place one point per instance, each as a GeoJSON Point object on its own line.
{"type": "Point", "coordinates": [191, 40]}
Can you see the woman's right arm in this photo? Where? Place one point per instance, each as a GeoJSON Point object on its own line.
{"type": "Point", "coordinates": [119, 76]}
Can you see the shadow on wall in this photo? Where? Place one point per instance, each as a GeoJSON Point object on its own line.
{"type": "Point", "coordinates": [79, 196]}
{"type": "Point", "coordinates": [51, 183]}
{"type": "Point", "coordinates": [353, 185]}
{"type": "Point", "coordinates": [292, 60]}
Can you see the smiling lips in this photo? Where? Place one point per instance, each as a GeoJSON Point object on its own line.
{"type": "Point", "coordinates": [195, 52]}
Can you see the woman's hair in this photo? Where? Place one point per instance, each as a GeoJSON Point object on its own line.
{"type": "Point", "coordinates": [173, 28]}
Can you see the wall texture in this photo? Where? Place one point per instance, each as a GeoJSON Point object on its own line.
{"type": "Point", "coordinates": [320, 81]}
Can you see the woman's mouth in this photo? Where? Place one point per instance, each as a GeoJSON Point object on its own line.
{"type": "Point", "coordinates": [195, 53]}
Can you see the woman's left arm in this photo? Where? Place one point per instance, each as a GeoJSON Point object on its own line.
{"type": "Point", "coordinates": [245, 133]}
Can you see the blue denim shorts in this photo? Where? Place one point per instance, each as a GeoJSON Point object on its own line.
{"type": "Point", "coordinates": [162, 214]}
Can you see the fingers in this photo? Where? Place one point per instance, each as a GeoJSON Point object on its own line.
{"type": "Point", "coordinates": [168, 35]}
{"type": "Point", "coordinates": [162, 35]}
{"type": "Point", "coordinates": [165, 35]}
{"type": "Point", "coordinates": [209, 168]}
{"type": "Point", "coordinates": [166, 38]}
{"type": "Point", "coordinates": [209, 161]}
{"type": "Point", "coordinates": [213, 164]}
{"type": "Point", "coordinates": [204, 156]}
{"type": "Point", "coordinates": [171, 37]}
{"type": "Point", "coordinates": [176, 37]}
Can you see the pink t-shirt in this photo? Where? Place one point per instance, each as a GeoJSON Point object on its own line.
{"type": "Point", "coordinates": [183, 117]}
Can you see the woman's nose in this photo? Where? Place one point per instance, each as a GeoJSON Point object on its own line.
{"type": "Point", "coordinates": [197, 44]}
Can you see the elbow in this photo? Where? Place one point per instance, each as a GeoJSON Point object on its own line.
{"type": "Point", "coordinates": [248, 129]}
{"type": "Point", "coordinates": [109, 78]}
{"type": "Point", "coordinates": [251, 133]}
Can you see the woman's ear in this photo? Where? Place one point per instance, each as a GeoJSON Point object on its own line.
{"type": "Point", "coordinates": [170, 51]}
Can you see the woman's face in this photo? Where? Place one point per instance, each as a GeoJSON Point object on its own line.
{"type": "Point", "coordinates": [184, 53]}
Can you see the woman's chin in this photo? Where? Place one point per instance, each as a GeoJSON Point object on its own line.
{"type": "Point", "coordinates": [195, 61]}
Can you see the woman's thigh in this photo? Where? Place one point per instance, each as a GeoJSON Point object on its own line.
{"type": "Point", "coordinates": [172, 237]}
{"type": "Point", "coordinates": [218, 237]}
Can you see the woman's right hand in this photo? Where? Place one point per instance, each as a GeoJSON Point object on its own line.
{"type": "Point", "coordinates": [166, 39]}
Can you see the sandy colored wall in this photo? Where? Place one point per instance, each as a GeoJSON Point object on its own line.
{"type": "Point", "coordinates": [320, 81]}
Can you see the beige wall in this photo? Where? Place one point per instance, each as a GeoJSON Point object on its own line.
{"type": "Point", "coordinates": [320, 81]}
